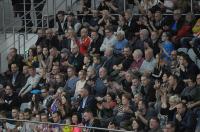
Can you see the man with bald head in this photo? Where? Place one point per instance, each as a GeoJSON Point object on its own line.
{"type": "Point", "coordinates": [84, 41]}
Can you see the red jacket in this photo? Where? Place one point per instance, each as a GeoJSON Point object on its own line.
{"type": "Point", "coordinates": [84, 44]}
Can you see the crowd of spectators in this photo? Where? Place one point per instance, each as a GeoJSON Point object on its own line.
{"type": "Point", "coordinates": [108, 68]}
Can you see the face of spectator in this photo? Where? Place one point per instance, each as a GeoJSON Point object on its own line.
{"type": "Point", "coordinates": [39, 49]}
{"type": "Point", "coordinates": [168, 128]}
{"type": "Point", "coordinates": [70, 18]}
{"type": "Point", "coordinates": [171, 81]}
{"type": "Point", "coordinates": [125, 101]}
{"type": "Point", "coordinates": [127, 16]}
{"type": "Point", "coordinates": [8, 90]}
{"type": "Point", "coordinates": [190, 83]}
{"type": "Point", "coordinates": [144, 81]}
{"type": "Point", "coordinates": [108, 98]}
{"type": "Point", "coordinates": [102, 73]}
{"type": "Point", "coordinates": [70, 72]}
{"type": "Point", "coordinates": [94, 35]}
{"type": "Point", "coordinates": [21, 116]}
{"type": "Point", "coordinates": [60, 17]}
{"type": "Point", "coordinates": [164, 78]}
{"type": "Point", "coordinates": [108, 33]}
{"type": "Point", "coordinates": [45, 51]}
{"type": "Point", "coordinates": [83, 92]}
{"type": "Point", "coordinates": [55, 70]}
{"type": "Point", "coordinates": [174, 55]}
{"type": "Point", "coordinates": [37, 117]}
{"type": "Point", "coordinates": [25, 70]}
{"type": "Point", "coordinates": [128, 77]}
{"type": "Point", "coordinates": [141, 106]}
{"type": "Point", "coordinates": [31, 72]}
{"type": "Point", "coordinates": [75, 119]}
{"type": "Point", "coordinates": [154, 36]}
{"type": "Point", "coordinates": [126, 52]}
{"type": "Point", "coordinates": [44, 92]}
{"type": "Point", "coordinates": [158, 16]}
{"type": "Point", "coordinates": [12, 52]}
{"type": "Point", "coordinates": [33, 98]}
{"type": "Point", "coordinates": [120, 37]}
{"type": "Point", "coordinates": [83, 33]}
{"type": "Point", "coordinates": [164, 37]}
{"type": "Point", "coordinates": [182, 61]}
{"type": "Point", "coordinates": [135, 82]}
{"type": "Point", "coordinates": [153, 124]}
{"type": "Point", "coordinates": [177, 15]}
{"type": "Point", "coordinates": [135, 125]}
{"type": "Point", "coordinates": [137, 98]}
{"type": "Point", "coordinates": [15, 113]}
{"type": "Point", "coordinates": [55, 117]}
{"type": "Point", "coordinates": [90, 72]}
{"type": "Point", "coordinates": [14, 68]}
{"type": "Point", "coordinates": [148, 55]}
{"type": "Point", "coordinates": [44, 118]}
{"type": "Point", "coordinates": [81, 75]}
{"type": "Point", "coordinates": [198, 79]}
{"type": "Point", "coordinates": [49, 33]}
{"type": "Point", "coordinates": [40, 33]}
{"type": "Point", "coordinates": [26, 116]}
{"type": "Point", "coordinates": [63, 100]}
{"type": "Point", "coordinates": [180, 109]}
{"type": "Point", "coordinates": [86, 60]}
{"type": "Point", "coordinates": [74, 50]}
{"type": "Point", "coordinates": [87, 116]}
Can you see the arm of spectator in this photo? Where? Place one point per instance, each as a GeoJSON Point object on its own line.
{"type": "Point", "coordinates": [103, 46]}
{"type": "Point", "coordinates": [141, 117]}
{"type": "Point", "coordinates": [32, 85]}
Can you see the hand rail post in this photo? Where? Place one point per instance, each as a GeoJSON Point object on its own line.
{"type": "Point", "coordinates": [14, 36]}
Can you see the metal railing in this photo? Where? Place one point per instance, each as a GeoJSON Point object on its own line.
{"type": "Point", "coordinates": [91, 129]}
{"type": "Point", "coordinates": [14, 28]}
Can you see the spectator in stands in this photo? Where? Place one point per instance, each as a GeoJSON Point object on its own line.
{"type": "Point", "coordinates": [95, 45]}
{"type": "Point", "coordinates": [85, 41]}
{"type": "Point", "coordinates": [89, 120]}
{"type": "Point", "coordinates": [61, 22]}
{"type": "Point", "coordinates": [100, 88]}
{"type": "Point", "coordinates": [147, 89]}
{"type": "Point", "coordinates": [51, 39]}
{"type": "Point", "coordinates": [87, 101]}
{"type": "Point", "coordinates": [137, 125]}
{"type": "Point", "coordinates": [121, 43]}
{"type": "Point", "coordinates": [31, 83]}
{"type": "Point", "coordinates": [13, 57]}
{"type": "Point", "coordinates": [109, 40]}
{"type": "Point", "coordinates": [131, 24]}
{"type": "Point", "coordinates": [16, 78]}
{"type": "Point", "coordinates": [154, 125]}
{"type": "Point", "coordinates": [10, 99]}
{"type": "Point", "coordinates": [32, 59]}
{"type": "Point", "coordinates": [149, 63]}
{"type": "Point", "coordinates": [187, 67]}
{"type": "Point", "coordinates": [72, 80]}
{"type": "Point", "coordinates": [144, 38]}
{"type": "Point", "coordinates": [137, 60]}
{"type": "Point", "coordinates": [125, 60]}
{"type": "Point", "coordinates": [166, 47]}
{"type": "Point", "coordinates": [184, 118]}
{"type": "Point", "coordinates": [77, 58]}
{"type": "Point", "coordinates": [169, 127]}
{"type": "Point", "coordinates": [109, 59]}
{"type": "Point", "coordinates": [41, 37]}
